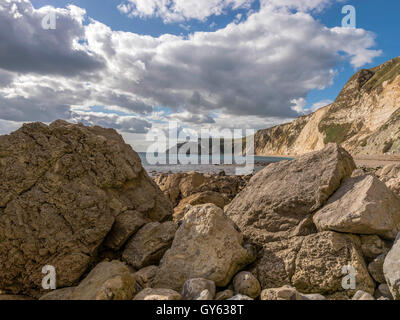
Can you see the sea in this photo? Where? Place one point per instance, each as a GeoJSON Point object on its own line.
{"type": "Point", "coordinates": [229, 169]}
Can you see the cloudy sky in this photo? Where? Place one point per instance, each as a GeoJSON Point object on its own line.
{"type": "Point", "coordinates": [134, 65]}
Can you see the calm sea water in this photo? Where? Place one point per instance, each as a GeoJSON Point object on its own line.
{"type": "Point", "coordinates": [230, 169]}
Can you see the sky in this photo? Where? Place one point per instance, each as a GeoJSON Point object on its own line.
{"type": "Point", "coordinates": [136, 65]}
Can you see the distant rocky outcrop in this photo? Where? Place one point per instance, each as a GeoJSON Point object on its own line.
{"type": "Point", "coordinates": [364, 119]}
{"type": "Point", "coordinates": [63, 187]}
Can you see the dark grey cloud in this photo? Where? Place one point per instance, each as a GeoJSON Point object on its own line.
{"type": "Point", "coordinates": [26, 47]}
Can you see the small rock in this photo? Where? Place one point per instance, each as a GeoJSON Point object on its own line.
{"type": "Point", "coordinates": [313, 296]}
{"type": "Point", "coordinates": [240, 297]}
{"type": "Point", "coordinates": [373, 246]}
{"type": "Point", "coordinates": [144, 277]}
{"type": "Point", "coordinates": [149, 244]}
{"type": "Point", "coordinates": [158, 294]}
{"type": "Point", "coordinates": [205, 295]}
{"type": "Point", "coordinates": [375, 269]}
{"type": "Point", "coordinates": [383, 291]}
{"type": "Point", "coordinates": [224, 295]}
{"type": "Point", "coordinates": [362, 295]}
{"type": "Point", "coordinates": [391, 269]}
{"type": "Point", "coordinates": [247, 284]}
{"type": "Point", "coordinates": [107, 281]}
{"type": "Point", "coordinates": [59, 294]}
{"type": "Point", "coordinates": [194, 287]}
{"type": "Point", "coordinates": [284, 293]}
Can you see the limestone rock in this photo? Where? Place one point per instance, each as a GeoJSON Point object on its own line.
{"type": "Point", "coordinates": [220, 200]}
{"type": "Point", "coordinates": [391, 269]}
{"type": "Point", "coordinates": [224, 295]}
{"type": "Point", "coordinates": [182, 185]}
{"type": "Point", "coordinates": [390, 175]}
{"type": "Point", "coordinates": [247, 284]}
{"type": "Point", "coordinates": [312, 264]}
{"type": "Point", "coordinates": [59, 294]}
{"type": "Point", "coordinates": [375, 269]}
{"type": "Point", "coordinates": [283, 293]}
{"type": "Point", "coordinates": [194, 287]}
{"type": "Point", "coordinates": [362, 295]}
{"type": "Point", "coordinates": [144, 277]}
{"type": "Point", "coordinates": [362, 205]}
{"type": "Point", "coordinates": [206, 245]}
{"type": "Point", "coordinates": [107, 281]}
{"type": "Point", "coordinates": [62, 187]}
{"type": "Point", "coordinates": [205, 295]}
{"type": "Point", "coordinates": [373, 246]}
{"type": "Point", "coordinates": [149, 244]}
{"type": "Point", "coordinates": [158, 294]}
{"type": "Point", "coordinates": [240, 297]}
{"type": "Point", "coordinates": [383, 291]}
{"type": "Point", "coordinates": [278, 202]}
{"type": "Point", "coordinates": [315, 296]}
{"type": "Point", "coordinates": [126, 224]}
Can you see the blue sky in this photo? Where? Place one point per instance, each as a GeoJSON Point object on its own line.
{"type": "Point", "coordinates": [137, 64]}
{"type": "Point", "coordinates": [380, 17]}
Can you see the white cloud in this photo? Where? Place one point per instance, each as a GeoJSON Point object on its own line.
{"type": "Point", "coordinates": [247, 73]}
{"type": "Point", "coordinates": [180, 10]}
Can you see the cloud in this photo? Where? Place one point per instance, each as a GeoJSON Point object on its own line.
{"type": "Point", "coordinates": [248, 72]}
{"type": "Point", "coordinates": [127, 124]}
{"type": "Point", "coordinates": [26, 47]}
{"type": "Point", "coordinates": [180, 10]}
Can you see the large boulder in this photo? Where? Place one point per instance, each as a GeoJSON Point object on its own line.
{"type": "Point", "coordinates": [278, 202]}
{"type": "Point", "coordinates": [149, 244]}
{"type": "Point", "coordinates": [107, 281]}
{"type": "Point", "coordinates": [62, 187]}
{"type": "Point", "coordinates": [362, 205]}
{"type": "Point", "coordinates": [390, 175]}
{"type": "Point", "coordinates": [391, 269]}
{"type": "Point", "coordinates": [206, 245]}
{"type": "Point", "coordinates": [312, 264]}
{"type": "Point", "coordinates": [219, 199]}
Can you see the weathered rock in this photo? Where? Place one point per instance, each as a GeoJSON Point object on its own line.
{"type": "Point", "coordinates": [62, 187]}
{"type": "Point", "coordinates": [144, 277]}
{"type": "Point", "coordinates": [149, 244]}
{"type": "Point", "coordinates": [284, 293]}
{"type": "Point", "coordinates": [59, 294]}
{"type": "Point", "coordinates": [375, 269]}
{"type": "Point", "coordinates": [278, 202]}
{"type": "Point", "coordinates": [194, 287]}
{"type": "Point", "coordinates": [383, 291]}
{"type": "Point", "coordinates": [158, 294]}
{"type": "Point", "coordinates": [247, 284]}
{"type": "Point", "coordinates": [391, 269]}
{"type": "Point", "coordinates": [390, 175]}
{"type": "Point", "coordinates": [219, 199]}
{"type": "Point", "coordinates": [206, 245]}
{"type": "Point", "coordinates": [362, 295]}
{"type": "Point", "coordinates": [107, 281]}
{"type": "Point", "coordinates": [315, 296]}
{"type": "Point", "coordinates": [240, 297]}
{"type": "Point", "coordinates": [9, 297]}
{"type": "Point", "coordinates": [312, 264]}
{"type": "Point", "coordinates": [182, 185]}
{"type": "Point", "coordinates": [205, 295]}
{"type": "Point", "coordinates": [126, 224]}
{"type": "Point", "coordinates": [224, 295]}
{"type": "Point", "coordinates": [362, 205]}
{"type": "Point", "coordinates": [373, 246]}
